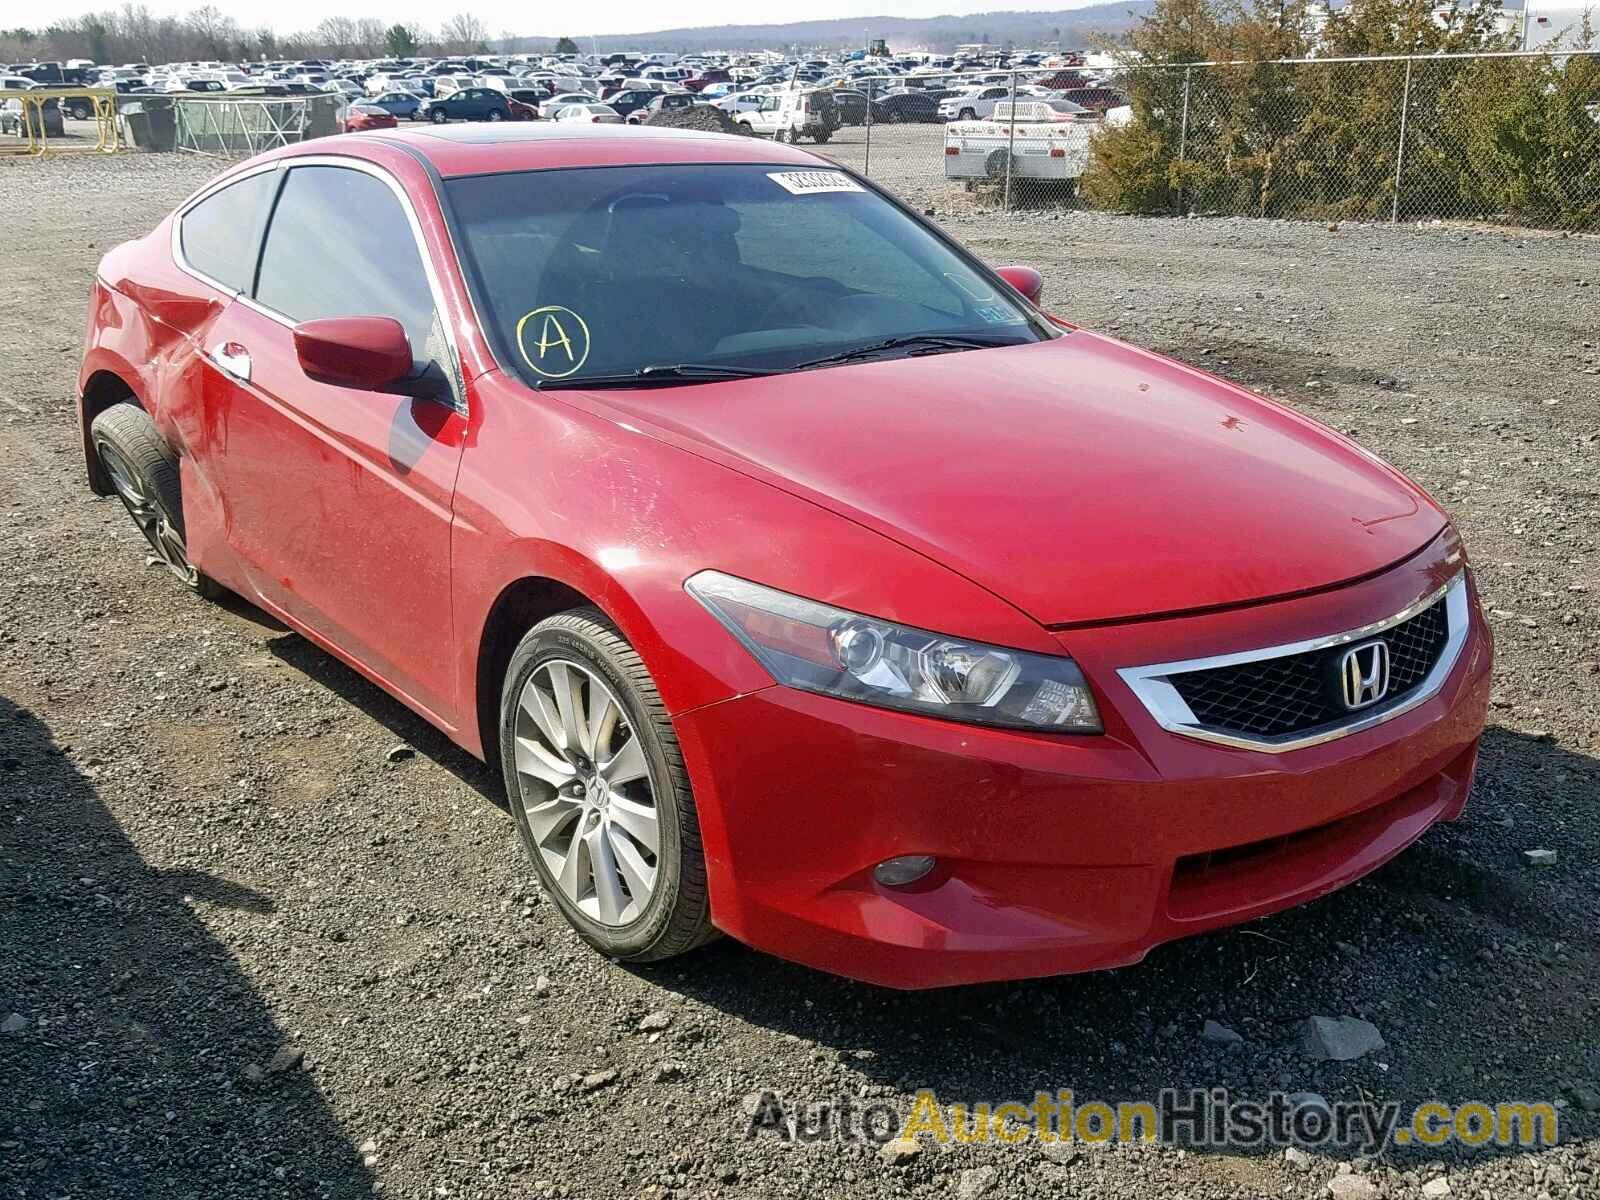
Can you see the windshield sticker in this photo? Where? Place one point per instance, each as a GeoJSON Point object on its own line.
{"type": "Point", "coordinates": [999, 314]}
{"type": "Point", "coordinates": [809, 183]}
{"type": "Point", "coordinates": [553, 341]}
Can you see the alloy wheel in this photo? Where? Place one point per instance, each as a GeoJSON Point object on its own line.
{"type": "Point", "coordinates": [139, 498]}
{"type": "Point", "coordinates": [586, 792]}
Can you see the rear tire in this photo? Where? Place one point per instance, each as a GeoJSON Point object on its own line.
{"type": "Point", "coordinates": [646, 922]}
{"type": "Point", "coordinates": [143, 472]}
{"type": "Point", "coordinates": [496, 115]}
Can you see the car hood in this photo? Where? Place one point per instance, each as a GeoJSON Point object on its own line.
{"type": "Point", "coordinates": [1080, 479]}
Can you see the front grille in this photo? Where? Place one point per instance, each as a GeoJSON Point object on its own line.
{"type": "Point", "coordinates": [1274, 697]}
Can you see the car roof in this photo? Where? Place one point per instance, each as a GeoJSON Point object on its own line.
{"type": "Point", "coordinates": [483, 149]}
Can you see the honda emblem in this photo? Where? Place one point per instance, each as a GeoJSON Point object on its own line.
{"type": "Point", "coordinates": [1364, 675]}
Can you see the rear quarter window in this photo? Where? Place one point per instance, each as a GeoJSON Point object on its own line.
{"type": "Point", "coordinates": [220, 235]}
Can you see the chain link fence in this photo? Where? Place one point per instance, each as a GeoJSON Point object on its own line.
{"type": "Point", "coordinates": [1503, 137]}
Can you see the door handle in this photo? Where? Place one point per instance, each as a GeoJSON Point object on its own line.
{"type": "Point", "coordinates": [232, 359]}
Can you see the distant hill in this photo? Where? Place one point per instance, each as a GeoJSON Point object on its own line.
{"type": "Point", "coordinates": [1073, 28]}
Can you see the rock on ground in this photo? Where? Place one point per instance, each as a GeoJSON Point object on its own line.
{"type": "Point", "coordinates": [1339, 1038]}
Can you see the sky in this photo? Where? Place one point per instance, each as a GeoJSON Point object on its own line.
{"type": "Point", "coordinates": [615, 16]}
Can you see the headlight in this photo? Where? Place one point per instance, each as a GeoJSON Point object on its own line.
{"type": "Point", "coordinates": [823, 649]}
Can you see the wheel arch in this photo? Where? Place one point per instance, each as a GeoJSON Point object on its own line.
{"type": "Point", "coordinates": [520, 606]}
{"type": "Point", "coordinates": [101, 390]}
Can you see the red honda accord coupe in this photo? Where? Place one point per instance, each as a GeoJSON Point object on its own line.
{"type": "Point", "coordinates": [805, 580]}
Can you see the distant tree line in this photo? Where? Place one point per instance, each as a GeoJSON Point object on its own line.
{"type": "Point", "coordinates": [132, 33]}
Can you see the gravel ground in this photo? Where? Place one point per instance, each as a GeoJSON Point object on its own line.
{"type": "Point", "coordinates": [243, 953]}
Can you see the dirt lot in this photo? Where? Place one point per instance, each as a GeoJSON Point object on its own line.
{"type": "Point", "coordinates": [242, 953]}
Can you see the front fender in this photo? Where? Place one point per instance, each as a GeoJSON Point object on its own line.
{"type": "Point", "coordinates": [550, 489]}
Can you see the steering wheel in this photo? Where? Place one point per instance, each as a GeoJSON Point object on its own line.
{"type": "Point", "coordinates": [797, 307]}
{"type": "Point", "coordinates": [810, 302]}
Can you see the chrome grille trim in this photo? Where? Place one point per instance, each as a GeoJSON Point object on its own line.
{"type": "Point", "coordinates": [1162, 701]}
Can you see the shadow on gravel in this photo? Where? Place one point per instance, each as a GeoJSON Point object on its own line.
{"type": "Point", "coordinates": [128, 1037]}
{"type": "Point", "coordinates": [1478, 972]}
{"type": "Point", "coordinates": [295, 651]}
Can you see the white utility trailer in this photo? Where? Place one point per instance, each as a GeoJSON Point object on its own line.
{"type": "Point", "coordinates": [1035, 139]}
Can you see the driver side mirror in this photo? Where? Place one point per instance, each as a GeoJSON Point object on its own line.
{"type": "Point", "coordinates": [369, 353]}
{"type": "Point", "coordinates": [1026, 280]}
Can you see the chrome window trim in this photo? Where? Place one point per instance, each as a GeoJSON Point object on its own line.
{"type": "Point", "coordinates": [1162, 701]}
{"type": "Point", "coordinates": [348, 163]}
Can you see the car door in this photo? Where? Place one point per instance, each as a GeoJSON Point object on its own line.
{"type": "Point", "coordinates": [765, 117]}
{"type": "Point", "coordinates": [338, 501]}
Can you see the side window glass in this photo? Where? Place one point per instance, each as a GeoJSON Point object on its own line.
{"type": "Point", "coordinates": [221, 234]}
{"type": "Point", "coordinates": [340, 245]}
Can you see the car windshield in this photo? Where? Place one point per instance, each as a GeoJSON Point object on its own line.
{"type": "Point", "coordinates": [598, 273]}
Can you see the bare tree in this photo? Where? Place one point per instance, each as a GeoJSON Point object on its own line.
{"type": "Point", "coordinates": [299, 45]}
{"type": "Point", "coordinates": [463, 34]}
{"type": "Point", "coordinates": [336, 34]}
{"type": "Point", "coordinates": [214, 33]}
{"type": "Point", "coordinates": [370, 34]}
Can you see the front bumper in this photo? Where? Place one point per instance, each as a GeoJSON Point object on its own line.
{"type": "Point", "coordinates": [1057, 853]}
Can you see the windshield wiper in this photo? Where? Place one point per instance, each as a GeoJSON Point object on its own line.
{"type": "Point", "coordinates": [658, 375]}
{"type": "Point", "coordinates": [916, 343]}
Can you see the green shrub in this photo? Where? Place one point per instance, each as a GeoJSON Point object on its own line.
{"type": "Point", "coordinates": [1130, 170]}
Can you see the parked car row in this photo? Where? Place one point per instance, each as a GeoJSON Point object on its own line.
{"type": "Point", "coordinates": [919, 88]}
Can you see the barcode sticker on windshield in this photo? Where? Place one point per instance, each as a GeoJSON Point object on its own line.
{"type": "Point", "coordinates": [807, 183]}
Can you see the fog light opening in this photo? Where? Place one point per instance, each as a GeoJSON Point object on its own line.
{"type": "Point", "coordinates": [904, 870]}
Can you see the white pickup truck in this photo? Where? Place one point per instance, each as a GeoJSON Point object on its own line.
{"type": "Point", "coordinates": [1037, 140]}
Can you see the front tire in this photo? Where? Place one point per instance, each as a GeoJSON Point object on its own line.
{"type": "Point", "coordinates": [438, 116]}
{"type": "Point", "coordinates": [143, 472]}
{"type": "Point", "coordinates": [597, 783]}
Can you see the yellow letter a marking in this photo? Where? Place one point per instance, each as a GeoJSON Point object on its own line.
{"type": "Point", "coordinates": [560, 339]}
